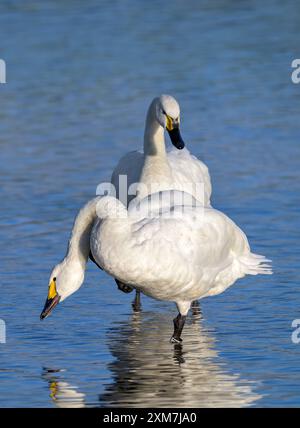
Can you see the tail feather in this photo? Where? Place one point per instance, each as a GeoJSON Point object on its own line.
{"type": "Point", "coordinates": [255, 264]}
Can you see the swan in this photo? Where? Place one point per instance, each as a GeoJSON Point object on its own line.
{"type": "Point", "coordinates": [156, 168]}
{"type": "Point", "coordinates": [168, 245]}
{"type": "Point", "coordinates": [139, 174]}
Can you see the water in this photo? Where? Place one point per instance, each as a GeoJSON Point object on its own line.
{"type": "Point", "coordinates": [80, 77]}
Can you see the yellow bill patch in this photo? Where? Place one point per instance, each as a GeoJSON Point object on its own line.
{"type": "Point", "coordinates": [52, 290]}
{"type": "Point", "coordinates": [169, 123]}
{"type": "Point", "coordinates": [53, 389]}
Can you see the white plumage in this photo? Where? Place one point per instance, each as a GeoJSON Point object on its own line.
{"type": "Point", "coordinates": [188, 174]}
{"type": "Point", "coordinates": [172, 254]}
{"type": "Point", "coordinates": [168, 242]}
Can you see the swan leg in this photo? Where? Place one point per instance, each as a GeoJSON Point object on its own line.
{"type": "Point", "coordinates": [178, 327]}
{"type": "Point", "coordinates": [123, 287]}
{"type": "Point", "coordinates": [136, 304]}
{"type": "Point", "coordinates": [183, 308]}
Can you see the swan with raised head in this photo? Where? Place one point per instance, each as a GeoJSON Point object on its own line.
{"type": "Point", "coordinates": [156, 168]}
{"type": "Point", "coordinates": [167, 245]}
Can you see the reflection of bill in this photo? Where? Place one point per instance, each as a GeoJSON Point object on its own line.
{"type": "Point", "coordinates": [148, 371]}
{"type": "Point", "coordinates": [62, 393]}
{"type": "Point", "coordinates": [2, 71]}
{"type": "Point", "coordinates": [2, 331]}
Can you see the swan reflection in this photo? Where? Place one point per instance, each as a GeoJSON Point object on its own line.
{"type": "Point", "coordinates": [62, 393]}
{"type": "Point", "coordinates": [148, 371]}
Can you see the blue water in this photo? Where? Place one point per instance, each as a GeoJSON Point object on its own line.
{"type": "Point", "coordinates": [80, 75]}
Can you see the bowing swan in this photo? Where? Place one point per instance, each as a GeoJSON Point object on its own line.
{"type": "Point", "coordinates": [139, 174]}
{"type": "Point", "coordinates": [168, 245]}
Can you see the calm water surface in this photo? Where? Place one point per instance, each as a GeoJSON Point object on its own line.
{"type": "Point", "coordinates": [80, 77]}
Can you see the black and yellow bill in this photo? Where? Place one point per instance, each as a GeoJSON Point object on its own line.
{"type": "Point", "coordinates": [51, 301]}
{"type": "Point", "coordinates": [174, 133]}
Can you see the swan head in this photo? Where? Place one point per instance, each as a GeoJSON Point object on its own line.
{"type": "Point", "coordinates": [65, 279]}
{"type": "Point", "coordinates": [167, 113]}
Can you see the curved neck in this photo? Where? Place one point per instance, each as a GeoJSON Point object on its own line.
{"type": "Point", "coordinates": [79, 243]}
{"type": "Point", "coordinates": [154, 140]}
{"type": "Point", "coordinates": [156, 174]}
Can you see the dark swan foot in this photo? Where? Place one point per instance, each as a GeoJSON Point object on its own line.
{"type": "Point", "coordinates": [124, 287]}
{"type": "Point", "coordinates": [136, 304]}
{"type": "Point", "coordinates": [174, 340]}
{"type": "Point", "coordinates": [178, 327]}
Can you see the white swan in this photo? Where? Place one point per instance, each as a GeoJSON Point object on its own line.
{"type": "Point", "coordinates": [169, 250]}
{"type": "Point", "coordinates": [157, 169]}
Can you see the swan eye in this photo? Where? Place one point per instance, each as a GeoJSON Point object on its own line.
{"type": "Point", "coordinates": [54, 279]}
{"type": "Point", "coordinates": [164, 112]}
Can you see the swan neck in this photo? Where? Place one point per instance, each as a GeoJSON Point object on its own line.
{"type": "Point", "coordinates": [154, 140]}
{"type": "Point", "coordinates": [79, 243]}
